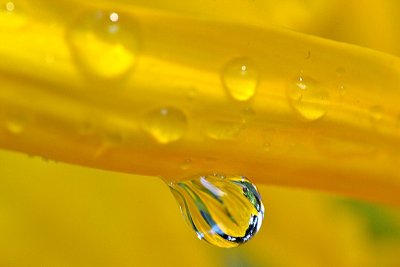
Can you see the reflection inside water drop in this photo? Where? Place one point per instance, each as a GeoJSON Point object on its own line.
{"type": "Point", "coordinates": [166, 124]}
{"type": "Point", "coordinates": [240, 78]}
{"type": "Point", "coordinates": [308, 98]}
{"type": "Point", "coordinates": [224, 211]}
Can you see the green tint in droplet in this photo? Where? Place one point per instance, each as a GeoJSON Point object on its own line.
{"type": "Point", "coordinates": [309, 99]}
{"type": "Point", "coordinates": [240, 78]}
{"type": "Point", "coordinates": [224, 211]}
{"type": "Point", "coordinates": [166, 124]}
{"type": "Point", "coordinates": [104, 44]}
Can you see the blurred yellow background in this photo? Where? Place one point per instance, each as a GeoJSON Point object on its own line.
{"type": "Point", "coordinates": [54, 214]}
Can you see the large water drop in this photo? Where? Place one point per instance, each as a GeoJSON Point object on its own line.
{"type": "Point", "coordinates": [224, 211]}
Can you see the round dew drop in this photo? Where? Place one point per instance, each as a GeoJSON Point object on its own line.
{"type": "Point", "coordinates": [240, 78]}
{"type": "Point", "coordinates": [309, 99]}
{"type": "Point", "coordinates": [166, 124]}
{"type": "Point", "coordinates": [104, 44]}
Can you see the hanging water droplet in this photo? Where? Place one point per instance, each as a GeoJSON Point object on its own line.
{"type": "Point", "coordinates": [224, 130]}
{"type": "Point", "coordinates": [104, 44]}
{"type": "Point", "coordinates": [225, 211]}
{"type": "Point", "coordinates": [166, 124]}
{"type": "Point", "coordinates": [309, 99]}
{"type": "Point", "coordinates": [240, 78]}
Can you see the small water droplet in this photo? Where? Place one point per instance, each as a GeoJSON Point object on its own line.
{"type": "Point", "coordinates": [166, 124]}
{"type": "Point", "coordinates": [240, 78]}
{"type": "Point", "coordinates": [10, 6]}
{"type": "Point", "coordinates": [309, 99]}
{"type": "Point", "coordinates": [225, 211]}
{"type": "Point", "coordinates": [114, 17]}
{"type": "Point", "coordinates": [186, 164]}
{"type": "Point", "coordinates": [224, 130]}
{"type": "Point", "coordinates": [342, 90]}
{"type": "Point", "coordinates": [15, 124]}
{"type": "Point", "coordinates": [104, 44]}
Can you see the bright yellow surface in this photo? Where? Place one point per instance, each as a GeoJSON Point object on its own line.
{"type": "Point", "coordinates": [152, 86]}
{"type": "Point", "coordinates": [53, 214]}
{"type": "Point", "coordinates": [169, 106]}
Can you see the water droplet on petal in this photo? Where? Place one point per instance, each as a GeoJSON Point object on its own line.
{"type": "Point", "coordinates": [308, 98]}
{"type": "Point", "coordinates": [342, 90]}
{"type": "Point", "coordinates": [12, 14]}
{"type": "Point", "coordinates": [240, 78]}
{"type": "Point", "coordinates": [15, 124]}
{"type": "Point", "coordinates": [224, 129]}
{"type": "Point", "coordinates": [186, 164]}
{"type": "Point", "coordinates": [225, 211]}
{"type": "Point", "coordinates": [104, 44]}
{"type": "Point", "coordinates": [166, 124]}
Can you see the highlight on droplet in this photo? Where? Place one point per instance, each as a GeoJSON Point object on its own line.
{"type": "Point", "coordinates": [308, 98]}
{"type": "Point", "coordinates": [240, 79]}
{"type": "Point", "coordinates": [166, 124]}
{"type": "Point", "coordinates": [104, 43]}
